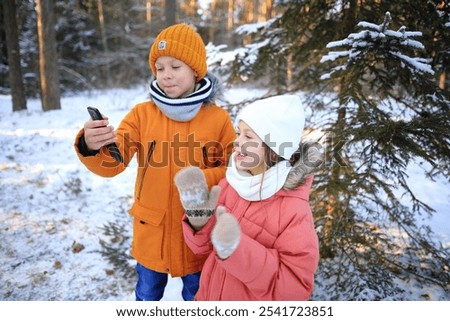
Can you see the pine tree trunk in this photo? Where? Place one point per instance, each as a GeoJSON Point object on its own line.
{"type": "Point", "coordinates": [443, 80]}
{"type": "Point", "coordinates": [230, 22]}
{"type": "Point", "coordinates": [256, 11]}
{"type": "Point", "coordinates": [248, 11]}
{"type": "Point", "coordinates": [48, 58]}
{"type": "Point", "coordinates": [101, 21]}
{"type": "Point", "coordinates": [289, 71]}
{"type": "Point", "coordinates": [333, 194]}
{"type": "Point", "coordinates": [212, 27]}
{"type": "Point", "coordinates": [148, 16]}
{"type": "Point", "coordinates": [19, 101]}
{"type": "Point", "coordinates": [268, 8]}
{"type": "Point", "coordinates": [170, 12]}
{"type": "Point", "coordinates": [349, 19]}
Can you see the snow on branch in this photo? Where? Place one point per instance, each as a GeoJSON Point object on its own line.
{"type": "Point", "coordinates": [417, 64]}
{"type": "Point", "coordinates": [252, 28]}
{"type": "Point", "coordinates": [378, 39]}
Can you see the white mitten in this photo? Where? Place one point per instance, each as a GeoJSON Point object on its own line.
{"type": "Point", "coordinates": [197, 201]}
{"type": "Point", "coordinates": [226, 234]}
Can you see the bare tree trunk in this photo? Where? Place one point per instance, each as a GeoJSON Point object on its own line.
{"type": "Point", "coordinates": [443, 80]}
{"type": "Point", "coordinates": [256, 11]}
{"type": "Point", "coordinates": [19, 101]}
{"type": "Point", "coordinates": [101, 21]}
{"type": "Point", "coordinates": [170, 12]}
{"type": "Point", "coordinates": [148, 16]}
{"type": "Point", "coordinates": [230, 22]}
{"type": "Point", "coordinates": [212, 28]}
{"type": "Point", "coordinates": [289, 71]}
{"type": "Point", "coordinates": [268, 9]}
{"type": "Point", "coordinates": [248, 12]}
{"type": "Point", "coordinates": [48, 58]}
{"type": "Point", "coordinates": [349, 18]}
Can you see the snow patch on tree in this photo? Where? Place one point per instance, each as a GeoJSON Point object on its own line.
{"type": "Point", "coordinates": [380, 40]}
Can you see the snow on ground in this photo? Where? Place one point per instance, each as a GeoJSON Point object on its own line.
{"type": "Point", "coordinates": [52, 209]}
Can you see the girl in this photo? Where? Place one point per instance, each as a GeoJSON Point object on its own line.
{"type": "Point", "coordinates": [261, 244]}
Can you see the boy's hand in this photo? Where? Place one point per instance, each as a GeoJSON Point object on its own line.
{"type": "Point", "coordinates": [97, 133]}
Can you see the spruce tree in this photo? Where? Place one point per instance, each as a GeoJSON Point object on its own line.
{"type": "Point", "coordinates": [391, 116]}
{"type": "Point", "coordinates": [378, 102]}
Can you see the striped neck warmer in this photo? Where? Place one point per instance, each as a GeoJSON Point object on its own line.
{"type": "Point", "coordinates": [185, 108]}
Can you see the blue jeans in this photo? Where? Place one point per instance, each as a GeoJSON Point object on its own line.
{"type": "Point", "coordinates": [151, 284]}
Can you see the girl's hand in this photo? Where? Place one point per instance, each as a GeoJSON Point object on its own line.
{"type": "Point", "coordinates": [198, 202]}
{"type": "Point", "coordinates": [226, 234]}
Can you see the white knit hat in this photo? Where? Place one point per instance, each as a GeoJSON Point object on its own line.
{"type": "Point", "coordinates": [278, 121]}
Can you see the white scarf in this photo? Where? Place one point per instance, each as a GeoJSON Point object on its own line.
{"type": "Point", "coordinates": [249, 186]}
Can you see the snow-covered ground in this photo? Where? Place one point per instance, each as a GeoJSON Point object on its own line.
{"type": "Point", "coordinates": [52, 209]}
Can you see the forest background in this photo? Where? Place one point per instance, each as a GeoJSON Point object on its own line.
{"type": "Point", "coordinates": [380, 105]}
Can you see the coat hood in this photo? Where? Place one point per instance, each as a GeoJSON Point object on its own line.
{"type": "Point", "coordinates": [217, 88]}
{"type": "Point", "coordinates": [309, 162]}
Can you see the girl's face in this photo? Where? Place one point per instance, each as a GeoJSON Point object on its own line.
{"type": "Point", "coordinates": [249, 150]}
{"type": "Point", "coordinates": [174, 77]}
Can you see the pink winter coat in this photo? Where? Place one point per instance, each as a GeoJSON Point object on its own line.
{"type": "Point", "coordinates": [278, 252]}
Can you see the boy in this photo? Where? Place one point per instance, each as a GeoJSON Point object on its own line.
{"type": "Point", "coordinates": [181, 126]}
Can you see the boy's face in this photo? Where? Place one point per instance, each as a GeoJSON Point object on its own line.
{"type": "Point", "coordinates": [174, 77]}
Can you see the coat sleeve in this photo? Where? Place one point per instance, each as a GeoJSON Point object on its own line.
{"type": "Point", "coordinates": [198, 241]}
{"type": "Point", "coordinates": [227, 136]}
{"type": "Point", "coordinates": [102, 163]}
{"type": "Point", "coordinates": [283, 272]}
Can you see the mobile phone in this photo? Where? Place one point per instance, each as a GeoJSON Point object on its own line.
{"type": "Point", "coordinates": [113, 150]}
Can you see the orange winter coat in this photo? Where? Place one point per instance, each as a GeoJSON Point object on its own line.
{"type": "Point", "coordinates": [163, 147]}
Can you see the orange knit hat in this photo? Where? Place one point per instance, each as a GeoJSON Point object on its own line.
{"type": "Point", "coordinates": [182, 42]}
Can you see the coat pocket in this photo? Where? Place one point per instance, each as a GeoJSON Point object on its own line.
{"type": "Point", "coordinates": [148, 233]}
{"type": "Point", "coordinates": [150, 215]}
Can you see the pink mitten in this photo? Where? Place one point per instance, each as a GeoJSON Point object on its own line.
{"type": "Point", "coordinates": [226, 234]}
